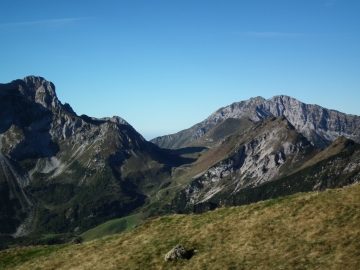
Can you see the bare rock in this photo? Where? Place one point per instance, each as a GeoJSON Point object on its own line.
{"type": "Point", "coordinates": [177, 253]}
{"type": "Point", "coordinates": [319, 125]}
{"type": "Point", "coordinates": [76, 240]}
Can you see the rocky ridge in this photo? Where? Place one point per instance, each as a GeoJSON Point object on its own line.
{"type": "Point", "coordinates": [275, 161]}
{"type": "Point", "coordinates": [78, 170]}
{"type": "Point", "coordinates": [319, 125]}
{"type": "Point", "coordinates": [270, 152]}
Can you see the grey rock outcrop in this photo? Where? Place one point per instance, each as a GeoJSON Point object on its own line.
{"type": "Point", "coordinates": [176, 253]}
{"type": "Point", "coordinates": [257, 160]}
{"type": "Point", "coordinates": [50, 157]}
{"type": "Point", "coordinates": [76, 240]}
{"type": "Point", "coordinates": [319, 125]}
{"type": "Point", "coordinates": [268, 160]}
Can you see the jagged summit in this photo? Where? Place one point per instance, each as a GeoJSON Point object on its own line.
{"type": "Point", "coordinates": [319, 125]}
{"type": "Point", "coordinates": [35, 80]}
{"type": "Point", "coordinates": [35, 89]}
{"type": "Point", "coordinates": [52, 160]}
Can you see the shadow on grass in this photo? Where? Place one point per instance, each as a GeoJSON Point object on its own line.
{"type": "Point", "coordinates": [186, 150]}
{"type": "Point", "coordinates": [191, 253]}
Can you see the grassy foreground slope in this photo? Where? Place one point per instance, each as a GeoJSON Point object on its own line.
{"type": "Point", "coordinates": [303, 231]}
{"type": "Point", "coordinates": [114, 226]}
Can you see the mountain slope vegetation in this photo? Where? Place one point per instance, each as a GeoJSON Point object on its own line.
{"type": "Point", "coordinates": [317, 230]}
{"type": "Point", "coordinates": [63, 175]}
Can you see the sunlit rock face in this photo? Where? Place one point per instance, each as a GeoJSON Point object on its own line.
{"type": "Point", "coordinates": [319, 125]}
{"type": "Point", "coordinates": [258, 159]}
{"type": "Point", "coordinates": [270, 159]}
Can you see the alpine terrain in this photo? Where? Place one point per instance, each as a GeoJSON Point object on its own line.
{"type": "Point", "coordinates": [319, 125]}
{"type": "Point", "coordinates": [62, 172]}
{"type": "Point", "coordinates": [65, 173]}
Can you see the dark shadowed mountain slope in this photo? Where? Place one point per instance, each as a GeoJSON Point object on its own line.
{"type": "Point", "coordinates": [226, 128]}
{"type": "Point", "coordinates": [61, 172]}
{"type": "Point", "coordinates": [319, 125]}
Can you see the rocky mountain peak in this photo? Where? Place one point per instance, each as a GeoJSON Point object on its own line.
{"type": "Point", "coordinates": [117, 120]}
{"type": "Point", "coordinates": [34, 80]}
{"type": "Point", "coordinates": [44, 144]}
{"type": "Point", "coordinates": [273, 144]}
{"type": "Point", "coordinates": [68, 108]}
{"type": "Point", "coordinates": [235, 110]}
{"type": "Point", "coordinates": [319, 125]}
{"type": "Point", "coordinates": [42, 91]}
{"type": "Point", "coordinates": [39, 90]}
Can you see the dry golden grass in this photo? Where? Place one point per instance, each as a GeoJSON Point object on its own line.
{"type": "Point", "coordinates": [304, 231]}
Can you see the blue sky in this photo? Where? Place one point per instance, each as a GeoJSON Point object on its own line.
{"type": "Point", "coordinates": [164, 66]}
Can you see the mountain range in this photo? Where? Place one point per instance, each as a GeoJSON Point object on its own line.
{"type": "Point", "coordinates": [319, 125]}
{"type": "Point", "coordinates": [61, 172]}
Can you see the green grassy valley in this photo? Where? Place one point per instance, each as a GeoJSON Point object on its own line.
{"type": "Point", "coordinates": [318, 230]}
{"type": "Point", "coordinates": [114, 226]}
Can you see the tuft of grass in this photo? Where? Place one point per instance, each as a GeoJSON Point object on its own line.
{"type": "Point", "coordinates": [318, 230]}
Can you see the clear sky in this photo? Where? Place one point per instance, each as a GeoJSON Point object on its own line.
{"type": "Point", "coordinates": [164, 66]}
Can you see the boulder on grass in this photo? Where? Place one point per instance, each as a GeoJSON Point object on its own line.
{"type": "Point", "coordinates": [76, 240]}
{"type": "Point", "coordinates": [177, 253]}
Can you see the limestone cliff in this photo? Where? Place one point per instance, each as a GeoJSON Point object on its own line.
{"type": "Point", "coordinates": [319, 125]}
